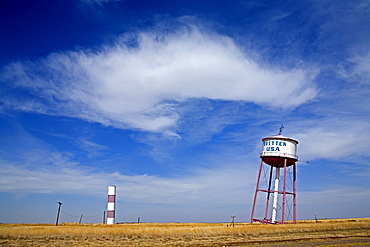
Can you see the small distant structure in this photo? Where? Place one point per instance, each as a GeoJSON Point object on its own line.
{"type": "Point", "coordinates": [278, 155]}
{"type": "Point", "coordinates": [111, 206]}
{"type": "Point", "coordinates": [232, 221]}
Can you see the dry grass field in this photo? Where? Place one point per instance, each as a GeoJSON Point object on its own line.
{"type": "Point", "coordinates": [180, 234]}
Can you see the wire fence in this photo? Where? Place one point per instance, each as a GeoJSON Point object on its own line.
{"type": "Point", "coordinates": [83, 218]}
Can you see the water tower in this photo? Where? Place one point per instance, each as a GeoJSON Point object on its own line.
{"type": "Point", "coordinates": [111, 205]}
{"type": "Point", "coordinates": [276, 178]}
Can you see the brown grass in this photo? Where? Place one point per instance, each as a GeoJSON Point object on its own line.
{"type": "Point", "coordinates": [178, 234]}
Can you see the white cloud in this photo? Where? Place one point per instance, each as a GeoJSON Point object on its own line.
{"type": "Point", "coordinates": [140, 87]}
{"type": "Point", "coordinates": [333, 139]}
{"type": "Point", "coordinates": [343, 201]}
{"type": "Point", "coordinates": [218, 185]}
{"type": "Point", "coordinates": [358, 69]}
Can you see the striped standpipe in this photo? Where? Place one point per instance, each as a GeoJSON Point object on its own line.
{"type": "Point", "coordinates": [111, 207]}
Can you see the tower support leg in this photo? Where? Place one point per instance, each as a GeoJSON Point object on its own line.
{"type": "Point", "coordinates": [268, 195]}
{"type": "Point", "coordinates": [284, 195]}
{"type": "Point", "coordinates": [294, 194]}
{"type": "Point", "coordinates": [256, 192]}
{"type": "Point", "coordinates": [276, 195]}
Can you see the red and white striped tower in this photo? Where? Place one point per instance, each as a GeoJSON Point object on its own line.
{"type": "Point", "coordinates": [277, 168]}
{"type": "Point", "coordinates": [111, 207]}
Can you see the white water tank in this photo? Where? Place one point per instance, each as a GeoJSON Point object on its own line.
{"type": "Point", "coordinates": [276, 149]}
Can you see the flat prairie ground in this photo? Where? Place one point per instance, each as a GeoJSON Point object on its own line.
{"type": "Point", "coordinates": [185, 234]}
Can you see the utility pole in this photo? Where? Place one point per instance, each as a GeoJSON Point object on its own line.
{"type": "Point", "coordinates": [60, 204]}
{"type": "Point", "coordinates": [80, 219]}
{"type": "Point", "coordinates": [103, 217]}
{"type": "Point", "coordinates": [232, 221]}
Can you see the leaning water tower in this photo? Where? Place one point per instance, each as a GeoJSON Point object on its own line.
{"type": "Point", "coordinates": [276, 179]}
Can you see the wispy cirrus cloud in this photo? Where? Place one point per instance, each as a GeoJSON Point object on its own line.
{"type": "Point", "coordinates": [203, 186]}
{"type": "Point", "coordinates": [139, 84]}
{"type": "Point", "coordinates": [331, 139]}
{"type": "Point", "coordinates": [357, 69]}
{"type": "Point", "coordinates": [28, 165]}
{"type": "Point", "coordinates": [345, 199]}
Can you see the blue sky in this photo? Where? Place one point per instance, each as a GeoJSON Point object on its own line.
{"type": "Point", "coordinates": [169, 101]}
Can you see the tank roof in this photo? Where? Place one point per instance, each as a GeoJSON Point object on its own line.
{"type": "Point", "coordinates": [280, 137]}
